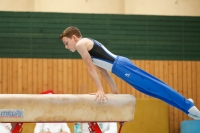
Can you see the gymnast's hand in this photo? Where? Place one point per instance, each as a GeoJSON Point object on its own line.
{"type": "Point", "coordinates": [100, 96]}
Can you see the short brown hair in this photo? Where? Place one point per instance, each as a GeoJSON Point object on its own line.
{"type": "Point", "coordinates": [68, 32]}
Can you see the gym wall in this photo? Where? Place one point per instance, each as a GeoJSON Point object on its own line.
{"type": "Point", "coordinates": [144, 7]}
{"type": "Point", "coordinates": [166, 45]}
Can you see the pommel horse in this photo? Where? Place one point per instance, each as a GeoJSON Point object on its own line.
{"type": "Point", "coordinates": [25, 108]}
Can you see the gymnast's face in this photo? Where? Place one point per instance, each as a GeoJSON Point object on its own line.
{"type": "Point", "coordinates": [70, 43]}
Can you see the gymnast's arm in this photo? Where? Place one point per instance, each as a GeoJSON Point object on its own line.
{"type": "Point", "coordinates": [108, 79]}
{"type": "Point", "coordinates": [81, 47]}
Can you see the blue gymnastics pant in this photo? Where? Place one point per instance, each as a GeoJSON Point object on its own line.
{"type": "Point", "coordinates": [148, 84]}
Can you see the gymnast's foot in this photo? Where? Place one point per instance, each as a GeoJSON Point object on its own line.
{"type": "Point", "coordinates": [194, 112]}
{"type": "Point", "coordinates": [190, 99]}
{"type": "Point", "coordinates": [194, 116]}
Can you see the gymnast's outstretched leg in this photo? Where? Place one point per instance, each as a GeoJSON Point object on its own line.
{"type": "Point", "coordinates": [152, 86]}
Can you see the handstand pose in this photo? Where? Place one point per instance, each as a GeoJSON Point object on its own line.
{"type": "Point", "coordinates": [94, 53]}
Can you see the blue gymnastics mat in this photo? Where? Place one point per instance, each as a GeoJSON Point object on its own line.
{"type": "Point", "coordinates": [190, 126]}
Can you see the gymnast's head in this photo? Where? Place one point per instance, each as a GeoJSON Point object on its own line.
{"type": "Point", "coordinates": [70, 36]}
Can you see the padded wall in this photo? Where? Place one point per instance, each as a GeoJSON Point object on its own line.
{"type": "Point", "coordinates": [30, 34]}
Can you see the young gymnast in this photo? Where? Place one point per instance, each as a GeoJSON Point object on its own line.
{"type": "Point", "coordinates": [94, 53]}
